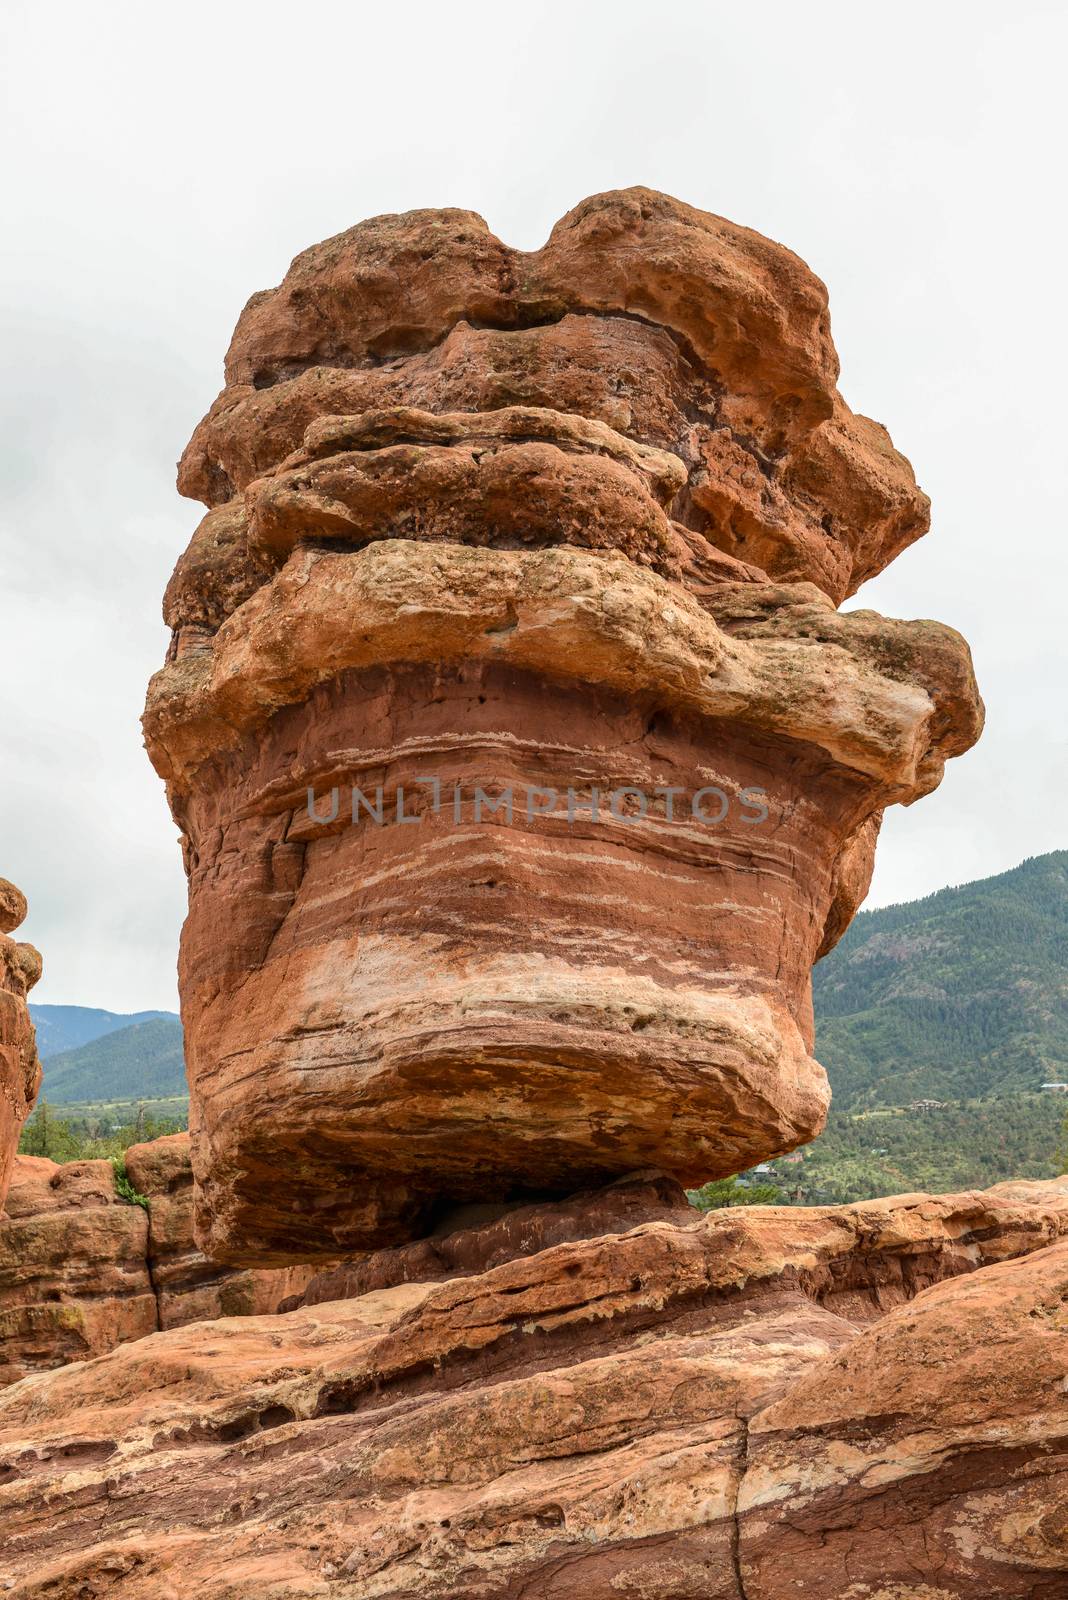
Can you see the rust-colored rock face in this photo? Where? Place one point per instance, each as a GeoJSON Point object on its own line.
{"type": "Point", "coordinates": [189, 1287]}
{"type": "Point", "coordinates": [82, 1269]}
{"type": "Point", "coordinates": [74, 1272]}
{"type": "Point", "coordinates": [754, 1405]}
{"type": "Point", "coordinates": [569, 527]}
{"type": "Point", "coordinates": [20, 1070]}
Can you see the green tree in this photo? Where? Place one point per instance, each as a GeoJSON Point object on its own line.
{"type": "Point", "coordinates": [45, 1136]}
{"type": "Point", "coordinates": [720, 1192]}
{"type": "Point", "coordinates": [88, 1137]}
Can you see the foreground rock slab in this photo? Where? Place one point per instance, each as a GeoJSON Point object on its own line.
{"type": "Point", "coordinates": [934, 1448]}
{"type": "Point", "coordinates": [866, 1401]}
{"type": "Point", "coordinates": [74, 1267]}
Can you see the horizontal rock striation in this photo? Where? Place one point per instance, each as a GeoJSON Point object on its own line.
{"type": "Point", "coordinates": [471, 1239]}
{"type": "Point", "coordinates": [20, 1069]}
{"type": "Point", "coordinates": [747, 1405]}
{"type": "Point", "coordinates": [82, 1269]}
{"type": "Point", "coordinates": [74, 1267]}
{"type": "Point", "coordinates": [523, 761]}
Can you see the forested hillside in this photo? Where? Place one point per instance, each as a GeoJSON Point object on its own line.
{"type": "Point", "coordinates": [66, 1027]}
{"type": "Point", "coordinates": [961, 995]}
{"type": "Point", "coordinates": [140, 1062]}
{"type": "Point", "coordinates": [966, 1145]}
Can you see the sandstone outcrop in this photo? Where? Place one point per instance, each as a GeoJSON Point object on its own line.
{"type": "Point", "coordinates": [189, 1287]}
{"type": "Point", "coordinates": [671, 326]}
{"type": "Point", "coordinates": [20, 1069]}
{"type": "Point", "coordinates": [74, 1277]}
{"type": "Point", "coordinates": [472, 1239]}
{"type": "Point", "coordinates": [750, 1405]}
{"type": "Point", "coordinates": [927, 1458]}
{"type": "Point", "coordinates": [83, 1270]}
{"type": "Point", "coordinates": [523, 761]}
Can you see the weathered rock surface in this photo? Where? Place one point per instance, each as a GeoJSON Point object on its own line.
{"type": "Point", "coordinates": [82, 1269]}
{"type": "Point", "coordinates": [928, 1458]}
{"type": "Point", "coordinates": [74, 1275]}
{"type": "Point", "coordinates": [673, 326]}
{"type": "Point", "coordinates": [472, 1239]}
{"type": "Point", "coordinates": [562, 526]}
{"type": "Point", "coordinates": [189, 1287]}
{"type": "Point", "coordinates": [20, 1069]}
{"type": "Point", "coordinates": [744, 1406]}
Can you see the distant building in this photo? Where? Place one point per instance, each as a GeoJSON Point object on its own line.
{"type": "Point", "coordinates": [928, 1105]}
{"type": "Point", "coordinates": [1058, 1088]}
{"type": "Point", "coordinates": [755, 1174]}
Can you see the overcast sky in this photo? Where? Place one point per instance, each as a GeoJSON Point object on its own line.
{"type": "Point", "coordinates": [164, 162]}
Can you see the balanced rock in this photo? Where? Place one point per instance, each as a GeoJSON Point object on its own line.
{"type": "Point", "coordinates": [20, 1069]}
{"type": "Point", "coordinates": [523, 761]}
{"type": "Point", "coordinates": [854, 1403]}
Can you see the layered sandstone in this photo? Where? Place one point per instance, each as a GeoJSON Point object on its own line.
{"type": "Point", "coordinates": [523, 760]}
{"type": "Point", "coordinates": [750, 1405]}
{"type": "Point", "coordinates": [82, 1269]}
{"type": "Point", "coordinates": [189, 1287]}
{"type": "Point", "coordinates": [927, 1458]}
{"type": "Point", "coordinates": [670, 326]}
{"type": "Point", "coordinates": [20, 1069]}
{"type": "Point", "coordinates": [74, 1273]}
{"type": "Point", "coordinates": [524, 765]}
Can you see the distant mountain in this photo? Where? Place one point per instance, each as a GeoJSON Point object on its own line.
{"type": "Point", "coordinates": [66, 1027]}
{"type": "Point", "coordinates": [962, 995]}
{"type": "Point", "coordinates": [143, 1061]}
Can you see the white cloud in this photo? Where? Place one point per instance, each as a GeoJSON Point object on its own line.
{"type": "Point", "coordinates": [171, 160]}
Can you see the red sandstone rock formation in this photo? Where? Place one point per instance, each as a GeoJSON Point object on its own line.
{"type": "Point", "coordinates": [189, 1287]}
{"type": "Point", "coordinates": [74, 1278]}
{"type": "Point", "coordinates": [20, 1070]}
{"type": "Point", "coordinates": [471, 1239]}
{"type": "Point", "coordinates": [751, 1405]}
{"type": "Point", "coordinates": [82, 1270]}
{"type": "Point", "coordinates": [572, 521]}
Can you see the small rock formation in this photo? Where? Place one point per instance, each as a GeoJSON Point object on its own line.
{"type": "Point", "coordinates": [189, 1287]}
{"type": "Point", "coordinates": [473, 1238]}
{"type": "Point", "coordinates": [569, 527]}
{"type": "Point", "coordinates": [83, 1270]}
{"type": "Point", "coordinates": [20, 1070]}
{"type": "Point", "coordinates": [756, 1404]}
{"type": "Point", "coordinates": [74, 1278]}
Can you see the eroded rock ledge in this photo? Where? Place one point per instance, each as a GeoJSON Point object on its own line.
{"type": "Point", "coordinates": [750, 1405]}
{"type": "Point", "coordinates": [676, 328]}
